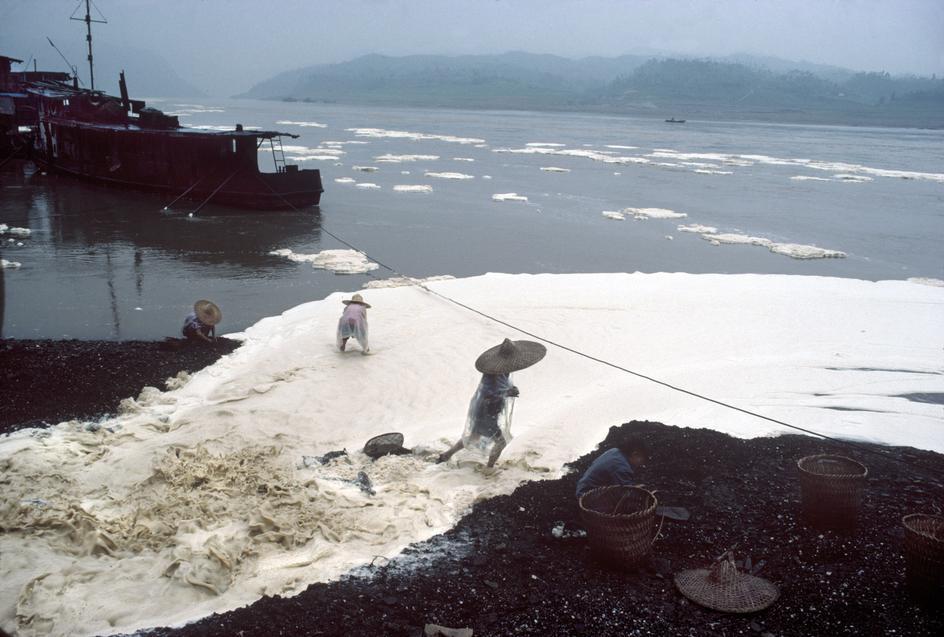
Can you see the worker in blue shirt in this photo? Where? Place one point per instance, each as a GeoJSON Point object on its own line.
{"type": "Point", "coordinates": [617, 466]}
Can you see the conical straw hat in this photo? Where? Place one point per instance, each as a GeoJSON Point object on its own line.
{"type": "Point", "coordinates": [357, 298]}
{"type": "Point", "coordinates": [385, 444]}
{"type": "Point", "coordinates": [509, 357]}
{"type": "Point", "coordinates": [724, 588]}
{"type": "Point", "coordinates": [207, 312]}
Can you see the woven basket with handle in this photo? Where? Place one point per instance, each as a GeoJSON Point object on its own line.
{"type": "Point", "coordinates": [620, 522]}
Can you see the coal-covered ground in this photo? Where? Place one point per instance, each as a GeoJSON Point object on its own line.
{"type": "Point", "coordinates": [45, 381]}
{"type": "Point", "coordinates": [501, 571]}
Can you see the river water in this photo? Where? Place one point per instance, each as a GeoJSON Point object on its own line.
{"type": "Point", "coordinates": [112, 264]}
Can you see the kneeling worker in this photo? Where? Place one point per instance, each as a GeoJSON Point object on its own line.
{"type": "Point", "coordinates": [200, 325]}
{"type": "Point", "coordinates": [617, 466]}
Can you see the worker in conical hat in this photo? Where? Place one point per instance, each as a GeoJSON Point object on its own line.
{"type": "Point", "coordinates": [488, 424]}
{"type": "Point", "coordinates": [353, 323]}
{"type": "Point", "coordinates": [200, 325]}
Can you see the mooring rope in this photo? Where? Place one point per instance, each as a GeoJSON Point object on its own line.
{"type": "Point", "coordinates": [212, 194]}
{"type": "Point", "coordinates": [538, 337]}
{"type": "Point", "coordinates": [184, 193]}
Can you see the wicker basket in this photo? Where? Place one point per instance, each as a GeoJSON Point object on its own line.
{"type": "Point", "coordinates": [924, 556]}
{"type": "Point", "coordinates": [831, 489]}
{"type": "Point", "coordinates": [620, 522]}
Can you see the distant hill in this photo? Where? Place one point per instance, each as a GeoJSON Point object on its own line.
{"type": "Point", "coordinates": [740, 87]}
{"type": "Point", "coordinates": [707, 89]}
{"type": "Point", "coordinates": [510, 80]}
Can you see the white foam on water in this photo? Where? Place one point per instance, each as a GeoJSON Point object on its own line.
{"type": "Point", "coordinates": [486, 176]}
{"type": "Point", "coordinates": [400, 281]}
{"type": "Point", "coordinates": [338, 261]}
{"type": "Point", "coordinates": [463, 159]}
{"type": "Point", "coordinates": [792, 250]}
{"type": "Point", "coordinates": [732, 238]}
{"type": "Point", "coordinates": [14, 230]}
{"type": "Point", "coordinates": [396, 134]}
{"type": "Point", "coordinates": [604, 156]}
{"type": "Point", "coordinates": [697, 229]}
{"type": "Point", "coordinates": [412, 188]}
{"type": "Point", "coordinates": [221, 127]}
{"type": "Point", "coordinates": [9, 265]}
{"type": "Point", "coordinates": [509, 196]}
{"type": "Point", "coordinates": [404, 172]}
{"type": "Point", "coordinates": [187, 110]}
{"type": "Point", "coordinates": [829, 166]}
{"type": "Point", "coordinates": [799, 251]}
{"type": "Point", "coordinates": [669, 237]}
{"type": "Point", "coordinates": [654, 213]}
{"type": "Point", "coordinates": [449, 175]}
{"type": "Point", "coordinates": [852, 178]}
{"type": "Point", "coordinates": [302, 124]}
{"type": "Point", "coordinates": [554, 169]}
{"type": "Point", "coordinates": [545, 144]}
{"type": "Point", "coordinates": [707, 171]}
{"type": "Point", "coordinates": [809, 178]}
{"type": "Point", "coordinates": [613, 214]}
{"type": "Point", "coordinates": [311, 157]}
{"type": "Point", "coordinates": [345, 143]}
{"type": "Point", "coordinates": [620, 147]}
{"type": "Point", "coordinates": [920, 280]}
{"type": "Point", "coordinates": [390, 158]}
{"type": "Point", "coordinates": [305, 150]}
{"type": "Point", "coordinates": [344, 180]}
{"type": "Point", "coordinates": [198, 499]}
{"type": "Point", "coordinates": [367, 186]}
{"type": "Point", "coordinates": [365, 169]}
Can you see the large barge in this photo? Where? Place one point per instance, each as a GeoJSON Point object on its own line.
{"type": "Point", "coordinates": [121, 142]}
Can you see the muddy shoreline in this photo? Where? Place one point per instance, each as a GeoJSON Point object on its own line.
{"type": "Point", "coordinates": [501, 570]}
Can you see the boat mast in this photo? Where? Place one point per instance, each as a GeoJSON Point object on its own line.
{"type": "Point", "coordinates": [88, 24]}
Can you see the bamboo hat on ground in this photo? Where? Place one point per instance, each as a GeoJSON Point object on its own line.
{"type": "Point", "coordinates": [207, 312]}
{"type": "Point", "coordinates": [509, 357]}
{"type": "Point", "coordinates": [386, 444]}
{"type": "Point", "coordinates": [724, 588]}
{"type": "Point", "coordinates": [357, 298]}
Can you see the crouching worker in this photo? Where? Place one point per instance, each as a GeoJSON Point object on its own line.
{"type": "Point", "coordinates": [200, 325]}
{"type": "Point", "coordinates": [617, 466]}
{"type": "Point", "coordinates": [353, 323]}
{"type": "Point", "coordinates": [488, 423]}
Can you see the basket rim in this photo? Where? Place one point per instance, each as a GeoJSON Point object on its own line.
{"type": "Point", "coordinates": [914, 516]}
{"type": "Point", "coordinates": [833, 476]}
{"type": "Point", "coordinates": [620, 516]}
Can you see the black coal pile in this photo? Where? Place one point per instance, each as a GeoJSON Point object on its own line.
{"type": "Point", "coordinates": [50, 381]}
{"type": "Point", "coordinates": [504, 571]}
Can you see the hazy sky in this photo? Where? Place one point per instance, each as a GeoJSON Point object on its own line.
{"type": "Point", "coordinates": [225, 46]}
